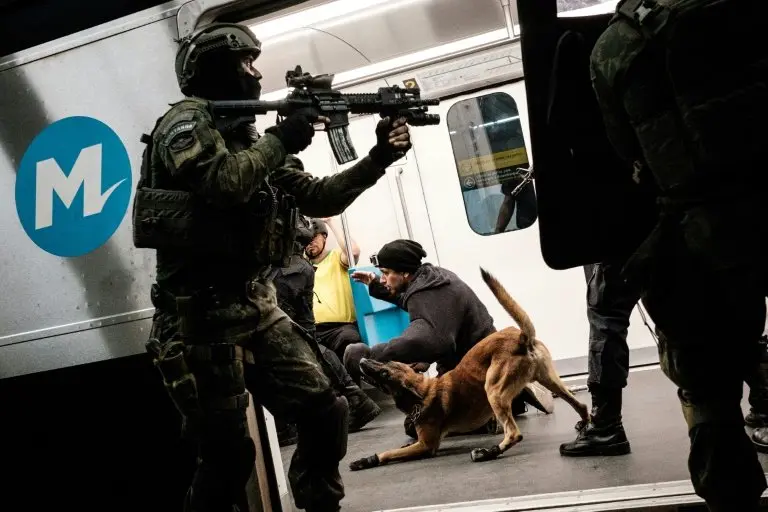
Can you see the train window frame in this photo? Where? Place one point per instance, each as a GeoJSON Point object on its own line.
{"type": "Point", "coordinates": [482, 178]}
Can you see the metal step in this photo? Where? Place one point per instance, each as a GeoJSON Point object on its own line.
{"type": "Point", "coordinates": [663, 496]}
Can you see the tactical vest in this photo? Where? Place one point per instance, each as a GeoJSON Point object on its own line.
{"type": "Point", "coordinates": [167, 217]}
{"type": "Point", "coordinates": [706, 121]}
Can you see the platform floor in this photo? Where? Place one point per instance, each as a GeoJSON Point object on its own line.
{"type": "Point", "coordinates": [652, 419]}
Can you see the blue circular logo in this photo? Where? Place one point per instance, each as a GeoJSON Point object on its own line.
{"type": "Point", "coordinates": [73, 186]}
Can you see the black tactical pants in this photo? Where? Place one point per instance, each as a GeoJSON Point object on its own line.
{"type": "Point", "coordinates": [337, 336]}
{"type": "Point", "coordinates": [609, 305]}
{"type": "Point", "coordinates": [285, 376]}
{"type": "Point", "coordinates": [708, 324]}
{"type": "Point", "coordinates": [334, 364]}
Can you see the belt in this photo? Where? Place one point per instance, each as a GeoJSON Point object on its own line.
{"type": "Point", "coordinates": [192, 310]}
{"type": "Point", "coordinates": [220, 353]}
{"type": "Point", "coordinates": [191, 303]}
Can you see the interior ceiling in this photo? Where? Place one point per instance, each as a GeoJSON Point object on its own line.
{"type": "Point", "coordinates": [383, 32]}
{"type": "Point", "coordinates": [386, 31]}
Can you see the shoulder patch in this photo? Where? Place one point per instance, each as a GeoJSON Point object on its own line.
{"type": "Point", "coordinates": [180, 136]}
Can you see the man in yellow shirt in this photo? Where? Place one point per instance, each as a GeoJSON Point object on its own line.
{"type": "Point", "coordinates": [333, 306]}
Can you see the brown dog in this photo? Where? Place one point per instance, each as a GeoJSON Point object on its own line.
{"type": "Point", "coordinates": [484, 383]}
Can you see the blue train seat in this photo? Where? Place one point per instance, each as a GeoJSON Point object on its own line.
{"type": "Point", "coordinates": [377, 320]}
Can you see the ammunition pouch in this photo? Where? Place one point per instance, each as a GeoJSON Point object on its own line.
{"type": "Point", "coordinates": [178, 220]}
{"type": "Point", "coordinates": [216, 386]}
{"type": "Point", "coordinates": [277, 244]}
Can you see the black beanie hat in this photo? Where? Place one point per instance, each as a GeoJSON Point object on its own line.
{"type": "Point", "coordinates": [400, 256]}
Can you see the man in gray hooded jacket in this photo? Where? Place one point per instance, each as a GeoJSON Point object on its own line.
{"type": "Point", "coordinates": [447, 317]}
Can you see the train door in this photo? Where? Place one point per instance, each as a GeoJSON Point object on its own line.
{"type": "Point", "coordinates": [392, 208]}
{"type": "Point", "coordinates": [470, 166]}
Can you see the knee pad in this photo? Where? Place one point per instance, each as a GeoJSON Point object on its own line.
{"type": "Point", "coordinates": [352, 356]}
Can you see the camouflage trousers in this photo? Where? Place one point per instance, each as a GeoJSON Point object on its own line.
{"type": "Point", "coordinates": [281, 371]}
{"type": "Point", "coordinates": [709, 323]}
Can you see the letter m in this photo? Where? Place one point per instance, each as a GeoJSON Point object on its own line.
{"type": "Point", "coordinates": [86, 173]}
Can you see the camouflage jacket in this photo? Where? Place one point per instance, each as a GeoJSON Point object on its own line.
{"type": "Point", "coordinates": [190, 154]}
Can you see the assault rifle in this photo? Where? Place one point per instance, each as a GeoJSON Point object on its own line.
{"type": "Point", "coordinates": [313, 96]}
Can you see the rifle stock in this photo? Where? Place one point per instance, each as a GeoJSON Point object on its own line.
{"type": "Point", "coordinates": [314, 97]}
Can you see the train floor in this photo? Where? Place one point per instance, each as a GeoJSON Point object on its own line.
{"type": "Point", "coordinates": [652, 419]}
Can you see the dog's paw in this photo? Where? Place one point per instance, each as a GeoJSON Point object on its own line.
{"type": "Point", "coordinates": [364, 463]}
{"type": "Point", "coordinates": [483, 454]}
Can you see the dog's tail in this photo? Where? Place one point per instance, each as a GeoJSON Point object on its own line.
{"type": "Point", "coordinates": [510, 305]}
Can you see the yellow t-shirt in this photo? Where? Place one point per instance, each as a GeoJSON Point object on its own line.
{"type": "Point", "coordinates": [333, 291]}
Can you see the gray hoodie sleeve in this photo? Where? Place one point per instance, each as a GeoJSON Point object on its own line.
{"type": "Point", "coordinates": [425, 340]}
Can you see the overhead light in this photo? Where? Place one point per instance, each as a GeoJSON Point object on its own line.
{"type": "Point", "coordinates": [593, 10]}
{"type": "Point", "coordinates": [393, 65]}
{"type": "Point", "coordinates": [312, 16]}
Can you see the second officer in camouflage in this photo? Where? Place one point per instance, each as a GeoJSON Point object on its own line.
{"type": "Point", "coordinates": [220, 210]}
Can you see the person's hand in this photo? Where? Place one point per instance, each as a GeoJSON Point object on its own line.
{"type": "Point", "coordinates": [393, 140]}
{"type": "Point", "coordinates": [295, 132]}
{"type": "Point", "coordinates": [363, 277]}
{"type": "Point", "coordinates": [419, 367]}
{"type": "Point", "coordinates": [397, 135]}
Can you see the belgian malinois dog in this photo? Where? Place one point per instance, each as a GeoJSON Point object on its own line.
{"type": "Point", "coordinates": [483, 384]}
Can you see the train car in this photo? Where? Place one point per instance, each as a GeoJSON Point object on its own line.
{"type": "Point", "coordinates": [86, 421]}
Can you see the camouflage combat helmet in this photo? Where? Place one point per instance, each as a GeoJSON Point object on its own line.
{"type": "Point", "coordinates": [319, 227]}
{"type": "Point", "coordinates": [214, 37]}
{"type": "Point", "coordinates": [305, 230]}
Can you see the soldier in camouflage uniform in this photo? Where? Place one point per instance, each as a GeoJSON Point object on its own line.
{"type": "Point", "coordinates": [295, 287]}
{"type": "Point", "coordinates": [220, 210]}
{"type": "Point", "coordinates": [682, 88]}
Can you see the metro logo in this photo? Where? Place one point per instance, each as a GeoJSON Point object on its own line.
{"type": "Point", "coordinates": [86, 173]}
{"type": "Point", "coordinates": [60, 188]}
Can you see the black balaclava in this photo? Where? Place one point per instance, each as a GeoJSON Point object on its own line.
{"type": "Point", "coordinates": [222, 77]}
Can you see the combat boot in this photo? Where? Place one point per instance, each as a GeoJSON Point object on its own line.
{"type": "Point", "coordinates": [362, 409]}
{"type": "Point", "coordinates": [758, 389]}
{"type": "Point", "coordinates": [760, 439]}
{"type": "Point", "coordinates": [604, 434]}
{"type": "Point", "coordinates": [757, 417]}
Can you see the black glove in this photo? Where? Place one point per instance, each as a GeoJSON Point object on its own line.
{"type": "Point", "coordinates": [383, 153]}
{"type": "Point", "coordinates": [295, 132]}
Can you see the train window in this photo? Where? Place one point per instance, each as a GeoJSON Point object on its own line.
{"type": "Point", "coordinates": [491, 159]}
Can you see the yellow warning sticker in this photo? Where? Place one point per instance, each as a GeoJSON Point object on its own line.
{"type": "Point", "coordinates": [492, 162]}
